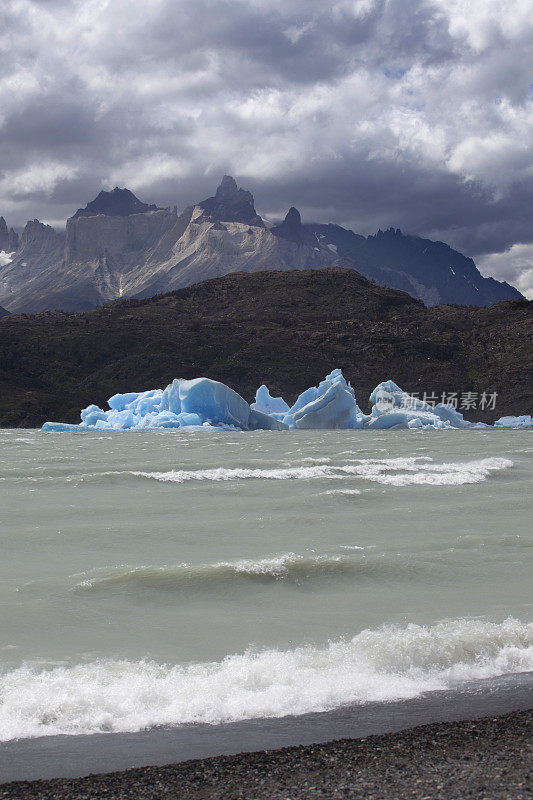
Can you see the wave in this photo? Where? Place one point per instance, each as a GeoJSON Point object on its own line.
{"type": "Point", "coordinates": [387, 664]}
{"type": "Point", "coordinates": [391, 471]}
{"type": "Point", "coordinates": [342, 492]}
{"type": "Point", "coordinates": [242, 473]}
{"type": "Point", "coordinates": [288, 567]}
{"type": "Point", "coordinates": [411, 472]}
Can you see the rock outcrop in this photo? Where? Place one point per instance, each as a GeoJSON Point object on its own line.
{"type": "Point", "coordinates": [231, 204]}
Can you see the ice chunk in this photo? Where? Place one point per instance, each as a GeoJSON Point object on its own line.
{"type": "Point", "coordinates": [525, 421]}
{"type": "Point", "coordinates": [170, 399]}
{"type": "Point", "coordinates": [331, 405]}
{"type": "Point", "coordinates": [214, 401]}
{"type": "Point", "coordinates": [91, 414]}
{"type": "Point", "coordinates": [258, 421]}
{"type": "Point", "coordinates": [392, 408]}
{"type": "Point", "coordinates": [59, 427]}
{"type": "Point", "coordinates": [266, 404]}
{"type": "Point", "coordinates": [119, 401]}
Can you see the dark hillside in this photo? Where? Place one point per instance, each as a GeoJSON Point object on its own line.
{"type": "Point", "coordinates": [286, 329]}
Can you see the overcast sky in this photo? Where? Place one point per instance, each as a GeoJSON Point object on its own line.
{"type": "Point", "coordinates": [368, 113]}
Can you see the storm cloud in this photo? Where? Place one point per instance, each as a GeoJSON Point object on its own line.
{"type": "Point", "coordinates": [368, 113]}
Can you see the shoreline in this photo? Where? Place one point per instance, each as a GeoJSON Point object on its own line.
{"type": "Point", "coordinates": [76, 756]}
{"type": "Point", "coordinates": [487, 758]}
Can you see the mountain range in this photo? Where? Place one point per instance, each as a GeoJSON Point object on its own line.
{"type": "Point", "coordinates": [119, 247]}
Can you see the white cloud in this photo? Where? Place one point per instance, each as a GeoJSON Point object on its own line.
{"type": "Point", "coordinates": [415, 113]}
{"type": "Point", "coordinates": [514, 265]}
{"type": "Point", "coordinates": [38, 177]}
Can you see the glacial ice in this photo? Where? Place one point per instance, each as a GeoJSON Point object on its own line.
{"type": "Point", "coordinates": [525, 421]}
{"type": "Point", "coordinates": [202, 403]}
{"type": "Point", "coordinates": [198, 403]}
{"type": "Point", "coordinates": [273, 406]}
{"type": "Point", "coordinates": [330, 405]}
{"type": "Point", "coordinates": [392, 407]}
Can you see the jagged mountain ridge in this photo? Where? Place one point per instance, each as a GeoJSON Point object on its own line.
{"type": "Point", "coordinates": [118, 246]}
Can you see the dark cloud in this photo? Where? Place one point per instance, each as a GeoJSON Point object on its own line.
{"type": "Point", "coordinates": [370, 113]}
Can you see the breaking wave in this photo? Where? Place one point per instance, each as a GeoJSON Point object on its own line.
{"type": "Point", "coordinates": [285, 567]}
{"type": "Point", "coordinates": [387, 664]}
{"type": "Point", "coordinates": [391, 471]}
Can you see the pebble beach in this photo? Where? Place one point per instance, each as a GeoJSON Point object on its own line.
{"type": "Point", "coordinates": [486, 758]}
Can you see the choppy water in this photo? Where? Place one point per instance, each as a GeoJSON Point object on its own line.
{"type": "Point", "coordinates": [154, 577]}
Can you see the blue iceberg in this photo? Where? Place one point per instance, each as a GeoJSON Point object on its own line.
{"type": "Point", "coordinates": [394, 408]}
{"type": "Point", "coordinates": [200, 403]}
{"type": "Point", "coordinates": [273, 406]}
{"type": "Point", "coordinates": [329, 406]}
{"type": "Point", "coordinates": [204, 404]}
{"type": "Point", "coordinates": [525, 421]}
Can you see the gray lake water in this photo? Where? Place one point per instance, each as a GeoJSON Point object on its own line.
{"type": "Point", "coordinates": [156, 578]}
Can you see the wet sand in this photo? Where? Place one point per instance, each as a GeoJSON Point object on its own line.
{"type": "Point", "coordinates": [488, 758]}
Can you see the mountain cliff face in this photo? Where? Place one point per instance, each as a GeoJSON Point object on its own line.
{"type": "Point", "coordinates": [118, 246]}
{"type": "Point", "coordinates": [40, 249]}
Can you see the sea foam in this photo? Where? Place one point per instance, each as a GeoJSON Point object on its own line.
{"type": "Point", "coordinates": [392, 471]}
{"type": "Point", "coordinates": [387, 664]}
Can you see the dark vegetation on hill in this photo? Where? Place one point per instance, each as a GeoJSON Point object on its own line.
{"type": "Point", "coordinates": [285, 329]}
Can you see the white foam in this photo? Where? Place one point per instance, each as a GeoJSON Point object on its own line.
{"type": "Point", "coordinates": [387, 664]}
{"type": "Point", "coordinates": [450, 474]}
{"type": "Point", "coordinates": [392, 471]}
{"type": "Point", "coordinates": [358, 547]}
{"type": "Point", "coordinates": [346, 492]}
{"type": "Point", "coordinates": [242, 473]}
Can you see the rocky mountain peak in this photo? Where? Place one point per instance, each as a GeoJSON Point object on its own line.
{"type": "Point", "coordinates": [9, 239]}
{"type": "Point", "coordinates": [34, 228]}
{"type": "Point", "coordinates": [117, 203]}
{"type": "Point", "coordinates": [228, 188]}
{"type": "Point", "coordinates": [388, 234]}
{"type": "Point", "coordinates": [231, 204]}
{"type": "Point", "coordinates": [293, 217]}
{"type": "Point", "coordinates": [292, 229]}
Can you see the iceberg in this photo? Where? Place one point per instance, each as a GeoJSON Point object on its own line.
{"type": "Point", "coordinates": [329, 406]}
{"type": "Point", "coordinates": [200, 403]}
{"type": "Point", "coordinates": [525, 421]}
{"type": "Point", "coordinates": [273, 406]}
{"type": "Point", "coordinates": [394, 408]}
{"type": "Point", "coordinates": [204, 404]}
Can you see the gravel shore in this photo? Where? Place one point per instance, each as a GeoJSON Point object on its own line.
{"type": "Point", "coordinates": [488, 758]}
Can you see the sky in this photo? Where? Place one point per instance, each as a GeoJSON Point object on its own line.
{"type": "Point", "coordinates": [368, 113]}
